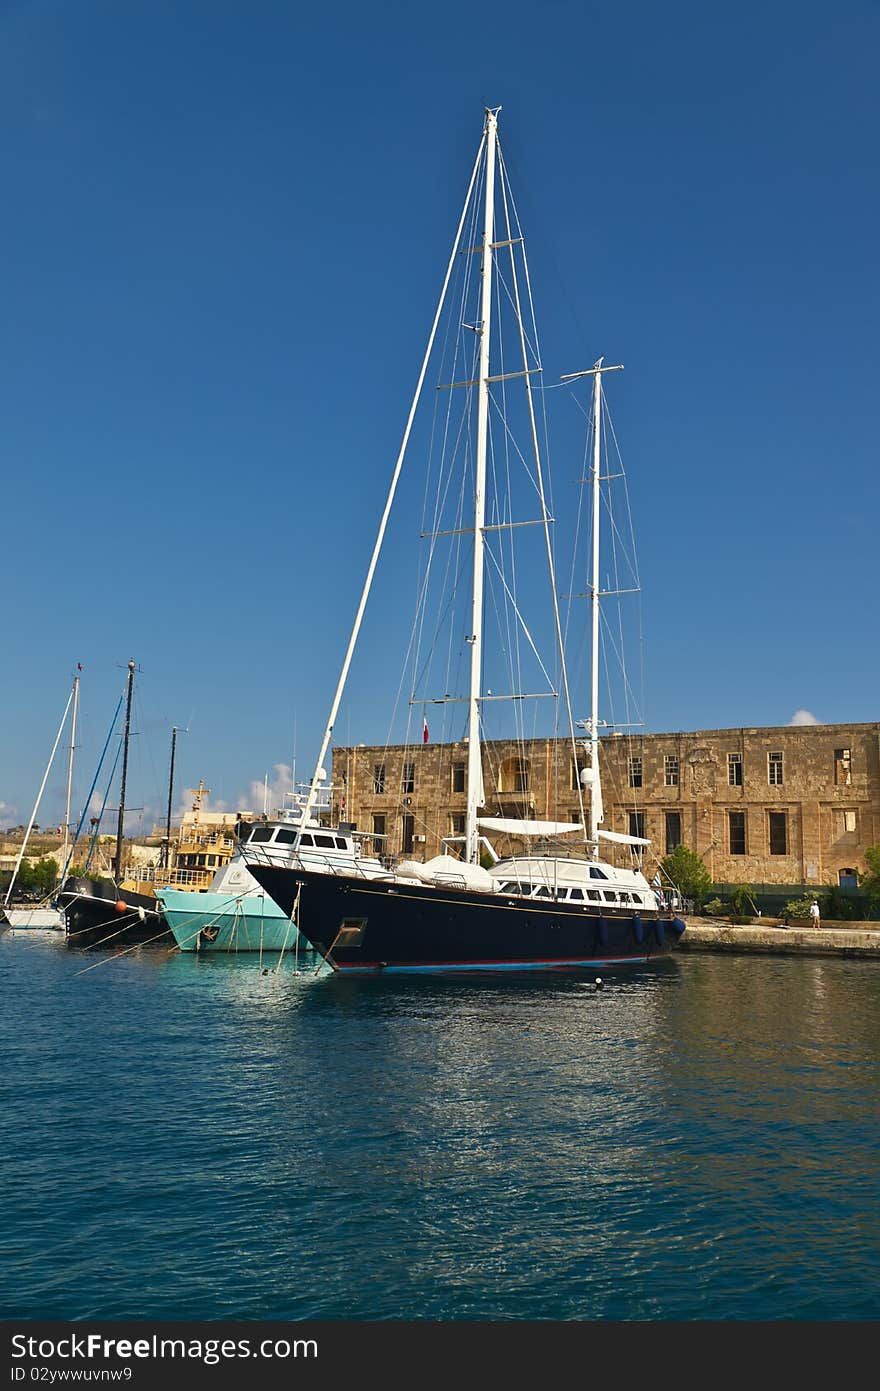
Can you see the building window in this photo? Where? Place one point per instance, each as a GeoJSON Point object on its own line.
{"type": "Point", "coordinates": [842, 767]}
{"type": "Point", "coordinates": [637, 824]}
{"type": "Point", "coordinates": [849, 822]}
{"type": "Point", "coordinates": [635, 771]}
{"type": "Point", "coordinates": [458, 770]}
{"type": "Point", "coordinates": [408, 781]}
{"type": "Point", "coordinates": [774, 769]}
{"type": "Point", "coordinates": [457, 822]}
{"type": "Point", "coordinates": [670, 770]}
{"type": "Point", "coordinates": [673, 831]}
{"type": "Point", "coordinates": [408, 837]}
{"type": "Point", "coordinates": [379, 834]}
{"type": "Point", "coordinates": [514, 775]}
{"type": "Point", "coordinates": [737, 829]}
{"type": "Point", "coordinates": [378, 777]}
{"type": "Point", "coordinates": [734, 770]}
{"type": "Point", "coordinates": [778, 832]}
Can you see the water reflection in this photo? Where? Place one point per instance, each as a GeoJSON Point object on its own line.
{"type": "Point", "coordinates": [696, 1139]}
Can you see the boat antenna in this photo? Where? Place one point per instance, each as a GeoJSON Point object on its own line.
{"type": "Point", "coordinates": [597, 811]}
{"type": "Point", "coordinates": [117, 858]}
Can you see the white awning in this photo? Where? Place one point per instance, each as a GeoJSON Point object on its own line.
{"type": "Point", "coordinates": [528, 828]}
{"type": "Point", "coordinates": [621, 839]}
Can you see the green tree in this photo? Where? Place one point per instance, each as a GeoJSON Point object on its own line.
{"type": "Point", "coordinates": [687, 872]}
{"type": "Point", "coordinates": [871, 881]}
{"type": "Point", "coordinates": [38, 874]}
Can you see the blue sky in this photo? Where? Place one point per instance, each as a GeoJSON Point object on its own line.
{"type": "Point", "coordinates": [223, 236]}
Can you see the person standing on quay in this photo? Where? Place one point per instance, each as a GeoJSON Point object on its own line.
{"type": "Point", "coordinates": [814, 913]}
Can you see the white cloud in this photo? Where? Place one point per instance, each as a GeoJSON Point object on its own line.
{"type": "Point", "coordinates": [271, 793]}
{"type": "Point", "coordinates": [803, 717]}
{"type": "Point", "coordinates": [8, 812]}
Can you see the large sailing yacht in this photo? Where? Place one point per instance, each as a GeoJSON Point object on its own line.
{"type": "Point", "coordinates": [542, 909]}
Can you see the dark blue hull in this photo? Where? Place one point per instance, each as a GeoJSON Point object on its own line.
{"type": "Point", "coordinates": [372, 925]}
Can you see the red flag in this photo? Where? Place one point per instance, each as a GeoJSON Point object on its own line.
{"type": "Point", "coordinates": [424, 730]}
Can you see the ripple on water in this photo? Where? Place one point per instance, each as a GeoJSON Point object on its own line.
{"type": "Point", "coordinates": [194, 1139]}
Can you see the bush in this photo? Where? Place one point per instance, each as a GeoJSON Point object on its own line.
{"type": "Point", "coordinates": [797, 908]}
{"type": "Point", "coordinates": [686, 871]}
{"type": "Point", "coordinates": [714, 908]}
{"type": "Point", "coordinates": [742, 901]}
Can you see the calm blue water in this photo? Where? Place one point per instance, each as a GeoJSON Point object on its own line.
{"type": "Point", "coordinates": [187, 1138]}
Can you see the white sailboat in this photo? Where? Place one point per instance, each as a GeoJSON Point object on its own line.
{"type": "Point", "coordinates": [541, 910]}
{"type": "Point", "coordinates": [45, 914]}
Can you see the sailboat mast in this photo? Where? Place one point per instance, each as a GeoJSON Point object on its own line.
{"type": "Point", "coordinates": [70, 769]}
{"type": "Point", "coordinates": [474, 764]}
{"type": "Point", "coordinates": [595, 798]}
{"type": "Point", "coordinates": [167, 854]}
{"type": "Point", "coordinates": [117, 858]}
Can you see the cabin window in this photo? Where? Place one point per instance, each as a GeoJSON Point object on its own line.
{"type": "Point", "coordinates": [774, 769]}
{"type": "Point", "coordinates": [670, 770]}
{"type": "Point", "coordinates": [610, 896]}
{"type": "Point", "coordinates": [458, 777]}
{"type": "Point", "coordinates": [378, 777]}
{"type": "Point", "coordinates": [734, 770]}
{"type": "Point", "coordinates": [306, 840]}
{"type": "Point", "coordinates": [408, 834]}
{"type": "Point", "coordinates": [673, 831]}
{"type": "Point", "coordinates": [577, 895]}
{"type": "Point", "coordinates": [325, 842]}
{"type": "Point", "coordinates": [284, 837]}
{"type": "Point", "coordinates": [542, 892]}
{"type": "Point", "coordinates": [635, 771]}
{"type": "Point", "coordinates": [597, 873]}
{"type": "Point", "coordinates": [637, 824]}
{"type": "Point", "coordinates": [842, 767]}
{"type": "Point", "coordinates": [341, 844]}
{"type": "Point", "coordinates": [593, 895]}
{"type": "Point", "coordinates": [737, 832]}
{"type": "Point", "coordinates": [778, 832]}
{"type": "Point", "coordinates": [262, 833]}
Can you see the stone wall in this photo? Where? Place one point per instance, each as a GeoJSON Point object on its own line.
{"type": "Point", "coordinates": [788, 805]}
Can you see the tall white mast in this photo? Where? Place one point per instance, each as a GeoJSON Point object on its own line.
{"type": "Point", "coordinates": [70, 770]}
{"type": "Point", "coordinates": [597, 811]}
{"type": "Point", "coordinates": [37, 803]}
{"type": "Point", "coordinates": [475, 765]}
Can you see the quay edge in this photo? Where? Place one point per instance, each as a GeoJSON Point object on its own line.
{"type": "Point", "coordinates": [844, 940]}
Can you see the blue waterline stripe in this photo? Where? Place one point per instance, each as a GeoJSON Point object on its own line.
{"type": "Point", "coordinates": [493, 965]}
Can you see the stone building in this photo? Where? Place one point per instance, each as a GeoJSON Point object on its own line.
{"type": "Point", "coordinates": [791, 805]}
